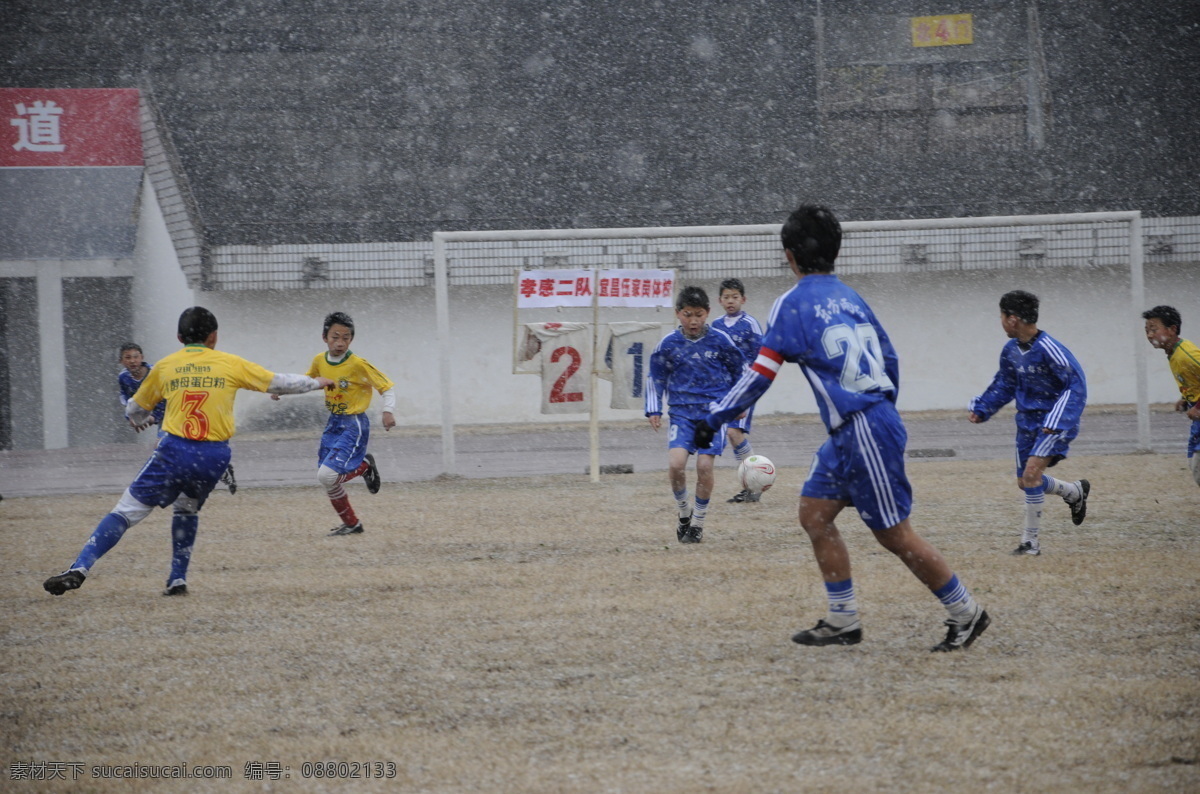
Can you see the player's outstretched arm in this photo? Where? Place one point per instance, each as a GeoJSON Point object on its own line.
{"type": "Point", "coordinates": [285, 383]}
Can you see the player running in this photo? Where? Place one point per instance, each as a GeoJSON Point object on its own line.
{"type": "Point", "coordinates": [1163, 324]}
{"type": "Point", "coordinates": [343, 454]}
{"type": "Point", "coordinates": [199, 384]}
{"type": "Point", "coordinates": [1051, 392]}
{"type": "Point", "coordinates": [829, 330]}
{"type": "Point", "coordinates": [692, 366]}
{"type": "Point", "coordinates": [746, 333]}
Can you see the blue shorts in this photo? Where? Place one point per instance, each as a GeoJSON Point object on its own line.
{"type": "Point", "coordinates": [1194, 439]}
{"type": "Point", "coordinates": [1031, 443]}
{"type": "Point", "coordinates": [344, 442]}
{"type": "Point", "coordinates": [862, 463]}
{"type": "Point", "coordinates": [681, 434]}
{"type": "Point", "coordinates": [180, 466]}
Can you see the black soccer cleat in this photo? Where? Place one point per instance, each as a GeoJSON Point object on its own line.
{"type": "Point", "coordinates": [229, 480]}
{"type": "Point", "coordinates": [961, 635]}
{"type": "Point", "coordinates": [61, 583]}
{"type": "Point", "coordinates": [344, 529]}
{"type": "Point", "coordinates": [176, 588]}
{"type": "Point", "coordinates": [745, 495]}
{"type": "Point", "coordinates": [824, 634]}
{"type": "Point", "coordinates": [694, 534]}
{"type": "Point", "coordinates": [1079, 508]}
{"type": "Point", "coordinates": [683, 529]}
{"type": "Point", "coordinates": [371, 476]}
{"type": "Point", "coordinates": [1026, 548]}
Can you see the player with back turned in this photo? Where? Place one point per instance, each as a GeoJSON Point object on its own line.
{"type": "Point", "coordinates": [199, 384]}
{"type": "Point", "coordinates": [829, 330]}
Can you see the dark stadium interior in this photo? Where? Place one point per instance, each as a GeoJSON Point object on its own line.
{"type": "Point", "coordinates": [379, 120]}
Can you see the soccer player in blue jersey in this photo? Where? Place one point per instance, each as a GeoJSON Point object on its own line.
{"type": "Point", "coordinates": [746, 333]}
{"type": "Point", "coordinates": [199, 384]}
{"type": "Point", "coordinates": [829, 330]}
{"type": "Point", "coordinates": [1050, 390]}
{"type": "Point", "coordinates": [1183, 357]}
{"type": "Point", "coordinates": [134, 369]}
{"type": "Point", "coordinates": [691, 367]}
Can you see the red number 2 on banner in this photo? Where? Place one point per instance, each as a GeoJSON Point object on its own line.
{"type": "Point", "coordinates": [557, 395]}
{"type": "Point", "coordinates": [195, 422]}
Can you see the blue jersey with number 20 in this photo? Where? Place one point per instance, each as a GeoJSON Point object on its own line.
{"type": "Point", "coordinates": [829, 330]}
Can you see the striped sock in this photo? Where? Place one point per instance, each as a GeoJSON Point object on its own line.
{"type": "Point", "coordinates": [682, 503]}
{"type": "Point", "coordinates": [701, 511]}
{"type": "Point", "coordinates": [843, 606]}
{"type": "Point", "coordinates": [361, 470]}
{"type": "Point", "coordinates": [1034, 499]}
{"type": "Point", "coordinates": [341, 504]}
{"type": "Point", "coordinates": [1067, 490]}
{"type": "Point", "coordinates": [957, 600]}
{"type": "Point", "coordinates": [742, 450]}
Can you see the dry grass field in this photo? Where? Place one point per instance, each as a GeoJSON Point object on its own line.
{"type": "Point", "coordinates": [549, 635]}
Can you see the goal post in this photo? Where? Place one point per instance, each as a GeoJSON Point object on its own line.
{"type": "Point", "coordinates": [1080, 240]}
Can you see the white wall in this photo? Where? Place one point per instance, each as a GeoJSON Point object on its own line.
{"type": "Point", "coordinates": [945, 327]}
{"type": "Point", "coordinates": [160, 290]}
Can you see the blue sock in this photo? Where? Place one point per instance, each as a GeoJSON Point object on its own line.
{"type": "Point", "coordinates": [183, 537]}
{"type": "Point", "coordinates": [843, 607]}
{"type": "Point", "coordinates": [956, 599]}
{"type": "Point", "coordinates": [106, 535]}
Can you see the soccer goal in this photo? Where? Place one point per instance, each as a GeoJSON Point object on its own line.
{"type": "Point", "coordinates": [1067, 244]}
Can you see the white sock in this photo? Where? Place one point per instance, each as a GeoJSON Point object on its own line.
{"type": "Point", "coordinates": [1034, 498]}
{"type": "Point", "coordinates": [1067, 490]}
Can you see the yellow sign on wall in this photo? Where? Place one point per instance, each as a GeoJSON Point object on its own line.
{"type": "Point", "coordinates": [941, 31]}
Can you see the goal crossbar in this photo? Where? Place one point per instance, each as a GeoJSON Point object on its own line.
{"type": "Point", "coordinates": [442, 279]}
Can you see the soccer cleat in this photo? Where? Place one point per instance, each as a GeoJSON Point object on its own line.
{"type": "Point", "coordinates": [229, 480]}
{"type": "Point", "coordinates": [177, 587]}
{"type": "Point", "coordinates": [824, 634]}
{"type": "Point", "coordinates": [371, 476]}
{"type": "Point", "coordinates": [961, 635]}
{"type": "Point", "coordinates": [1079, 508]}
{"type": "Point", "coordinates": [61, 583]}
{"type": "Point", "coordinates": [694, 534]}
{"type": "Point", "coordinates": [345, 529]}
{"type": "Point", "coordinates": [744, 496]}
{"type": "Point", "coordinates": [1026, 548]}
{"type": "Point", "coordinates": [683, 529]}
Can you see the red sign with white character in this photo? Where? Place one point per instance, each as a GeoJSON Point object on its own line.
{"type": "Point", "coordinates": [69, 127]}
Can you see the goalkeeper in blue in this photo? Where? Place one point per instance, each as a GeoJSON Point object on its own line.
{"type": "Point", "coordinates": [829, 330]}
{"type": "Point", "coordinates": [1050, 391]}
{"type": "Point", "coordinates": [692, 366]}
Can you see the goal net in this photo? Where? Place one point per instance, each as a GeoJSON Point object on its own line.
{"type": "Point", "coordinates": [976, 254]}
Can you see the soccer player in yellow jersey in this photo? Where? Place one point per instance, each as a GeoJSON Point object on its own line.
{"type": "Point", "coordinates": [1162, 330]}
{"type": "Point", "coordinates": [343, 454]}
{"type": "Point", "coordinates": [199, 384]}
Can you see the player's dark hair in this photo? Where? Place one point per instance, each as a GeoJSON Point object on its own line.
{"type": "Point", "coordinates": [691, 297]}
{"type": "Point", "coordinates": [1021, 304]}
{"type": "Point", "coordinates": [195, 324]}
{"type": "Point", "coordinates": [1167, 315]}
{"type": "Point", "coordinates": [814, 236]}
{"type": "Point", "coordinates": [337, 318]}
{"type": "Point", "coordinates": [131, 346]}
{"type": "Point", "coordinates": [732, 283]}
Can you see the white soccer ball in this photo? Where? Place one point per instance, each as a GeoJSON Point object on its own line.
{"type": "Point", "coordinates": [757, 473]}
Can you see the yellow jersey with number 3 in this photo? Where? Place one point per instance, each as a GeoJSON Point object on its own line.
{"type": "Point", "coordinates": [1185, 366]}
{"type": "Point", "coordinates": [199, 385]}
{"type": "Point", "coordinates": [353, 379]}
